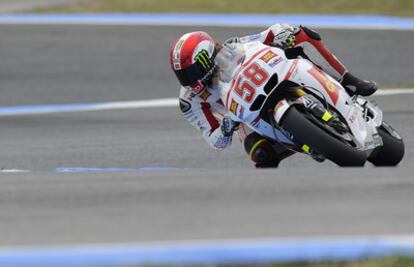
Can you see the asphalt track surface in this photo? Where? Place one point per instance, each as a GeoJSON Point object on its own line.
{"type": "Point", "coordinates": [209, 194]}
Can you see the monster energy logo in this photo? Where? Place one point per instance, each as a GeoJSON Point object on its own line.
{"type": "Point", "coordinates": [203, 59]}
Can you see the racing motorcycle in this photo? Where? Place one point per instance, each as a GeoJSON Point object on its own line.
{"type": "Point", "coordinates": [295, 103]}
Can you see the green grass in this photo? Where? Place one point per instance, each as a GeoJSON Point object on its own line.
{"type": "Point", "coordinates": [387, 262]}
{"type": "Point", "coordinates": [385, 7]}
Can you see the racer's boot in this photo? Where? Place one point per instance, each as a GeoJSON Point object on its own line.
{"type": "Point", "coordinates": [356, 86]}
{"type": "Point", "coordinates": [264, 152]}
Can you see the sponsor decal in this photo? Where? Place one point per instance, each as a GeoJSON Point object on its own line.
{"type": "Point", "coordinates": [278, 106]}
{"type": "Point", "coordinates": [185, 106]}
{"type": "Point", "coordinates": [255, 123]}
{"type": "Point", "coordinates": [179, 45]}
{"type": "Point", "coordinates": [307, 102]}
{"type": "Point", "coordinates": [198, 87]}
{"type": "Point", "coordinates": [189, 95]}
{"type": "Point", "coordinates": [177, 64]}
{"type": "Point", "coordinates": [353, 116]}
{"type": "Point", "coordinates": [203, 59]}
{"type": "Point", "coordinates": [268, 56]}
{"type": "Point", "coordinates": [233, 107]}
{"type": "Point", "coordinates": [329, 86]}
{"type": "Point", "coordinates": [241, 113]}
{"type": "Point", "coordinates": [254, 37]}
{"type": "Point", "coordinates": [177, 54]}
{"type": "Point", "coordinates": [291, 69]}
{"type": "Point", "coordinates": [275, 62]}
{"type": "Point", "coordinates": [206, 94]}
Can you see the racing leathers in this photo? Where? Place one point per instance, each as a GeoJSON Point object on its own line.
{"type": "Point", "coordinates": [206, 111]}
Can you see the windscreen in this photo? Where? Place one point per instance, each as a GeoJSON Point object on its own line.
{"type": "Point", "coordinates": [228, 58]}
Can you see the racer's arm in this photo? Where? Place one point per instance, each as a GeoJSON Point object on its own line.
{"type": "Point", "coordinates": [267, 36]}
{"type": "Point", "coordinates": [218, 134]}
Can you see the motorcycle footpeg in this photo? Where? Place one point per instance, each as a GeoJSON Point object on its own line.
{"type": "Point", "coordinates": [318, 158]}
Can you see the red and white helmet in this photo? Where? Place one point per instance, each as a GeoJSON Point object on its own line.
{"type": "Point", "coordinates": [192, 60]}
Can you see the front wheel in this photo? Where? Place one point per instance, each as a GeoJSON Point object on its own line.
{"type": "Point", "coordinates": [392, 151]}
{"type": "Point", "coordinates": [319, 140]}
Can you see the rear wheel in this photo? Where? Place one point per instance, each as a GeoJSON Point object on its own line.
{"type": "Point", "coordinates": [320, 140]}
{"type": "Point", "coordinates": [392, 151]}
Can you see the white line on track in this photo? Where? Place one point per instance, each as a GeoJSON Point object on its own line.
{"type": "Point", "coordinates": [139, 104]}
{"type": "Point", "coordinates": [154, 103]}
{"type": "Point", "coordinates": [13, 171]}
{"type": "Point", "coordinates": [394, 91]}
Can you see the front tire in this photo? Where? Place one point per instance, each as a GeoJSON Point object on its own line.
{"type": "Point", "coordinates": [392, 151]}
{"type": "Point", "coordinates": [320, 141]}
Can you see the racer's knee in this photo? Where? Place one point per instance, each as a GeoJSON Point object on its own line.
{"type": "Point", "coordinates": [310, 33]}
{"type": "Point", "coordinates": [307, 35]}
{"type": "Point", "coordinates": [315, 50]}
{"type": "Point", "coordinates": [264, 152]}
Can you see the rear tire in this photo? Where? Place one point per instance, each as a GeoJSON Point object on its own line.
{"type": "Point", "coordinates": [321, 141]}
{"type": "Point", "coordinates": [391, 153]}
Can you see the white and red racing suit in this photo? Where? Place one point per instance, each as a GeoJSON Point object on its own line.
{"type": "Point", "coordinates": [206, 111]}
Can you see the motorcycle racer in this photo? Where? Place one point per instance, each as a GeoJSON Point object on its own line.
{"type": "Point", "coordinates": [192, 60]}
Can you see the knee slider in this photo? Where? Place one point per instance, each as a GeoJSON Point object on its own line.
{"type": "Point", "coordinates": [311, 33]}
{"type": "Point", "coordinates": [259, 148]}
{"type": "Point", "coordinates": [251, 140]}
{"type": "Point", "coordinates": [261, 155]}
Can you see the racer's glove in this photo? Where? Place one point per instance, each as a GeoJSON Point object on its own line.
{"type": "Point", "coordinates": [228, 126]}
{"type": "Point", "coordinates": [284, 39]}
{"type": "Point", "coordinates": [232, 40]}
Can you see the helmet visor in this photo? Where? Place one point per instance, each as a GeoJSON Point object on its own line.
{"type": "Point", "coordinates": [190, 75]}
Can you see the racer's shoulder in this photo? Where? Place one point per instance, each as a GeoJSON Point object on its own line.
{"type": "Point", "coordinates": [186, 99]}
{"type": "Point", "coordinates": [277, 27]}
{"type": "Point", "coordinates": [191, 101]}
{"type": "Point", "coordinates": [187, 94]}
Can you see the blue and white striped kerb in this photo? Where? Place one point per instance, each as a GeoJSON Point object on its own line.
{"type": "Point", "coordinates": [212, 252]}
{"type": "Point", "coordinates": [233, 20]}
